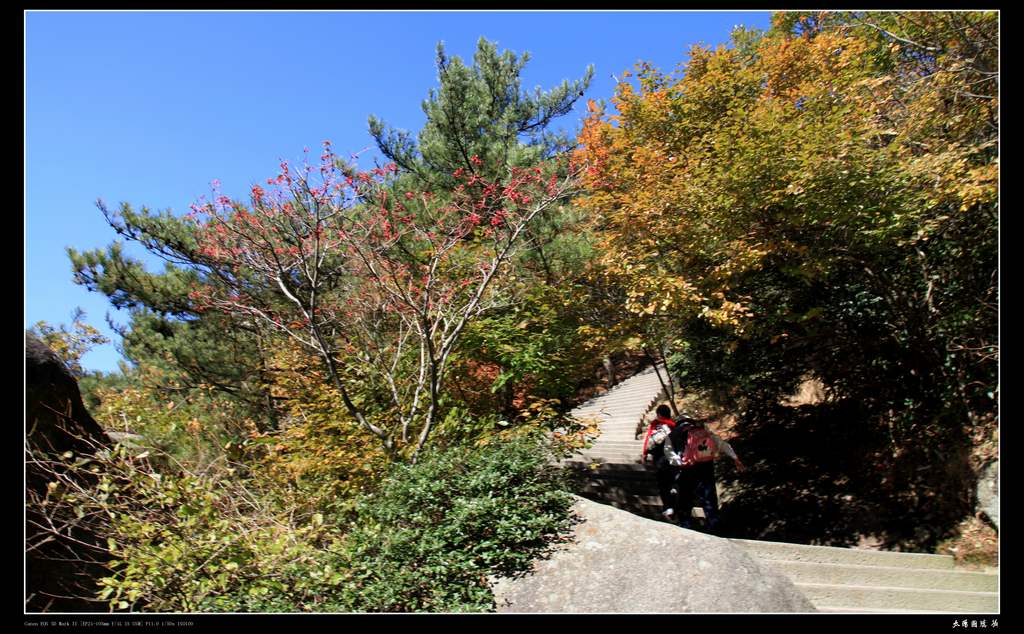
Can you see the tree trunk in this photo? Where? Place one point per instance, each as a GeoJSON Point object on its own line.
{"type": "Point", "coordinates": [666, 387]}
{"type": "Point", "coordinates": [609, 369]}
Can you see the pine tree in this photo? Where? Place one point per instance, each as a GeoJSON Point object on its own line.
{"type": "Point", "coordinates": [480, 110]}
{"type": "Point", "coordinates": [165, 329]}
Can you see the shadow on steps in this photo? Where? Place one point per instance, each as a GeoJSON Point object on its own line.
{"type": "Point", "coordinates": [629, 487]}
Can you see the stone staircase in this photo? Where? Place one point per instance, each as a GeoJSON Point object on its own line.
{"type": "Point", "coordinates": [872, 581]}
{"type": "Point", "coordinates": [610, 470]}
{"type": "Point", "coordinates": [834, 579]}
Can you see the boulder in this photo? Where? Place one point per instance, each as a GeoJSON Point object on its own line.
{"type": "Point", "coordinates": [63, 558]}
{"type": "Point", "coordinates": [55, 417]}
{"type": "Point", "coordinates": [988, 493]}
{"type": "Point", "coordinates": [618, 562]}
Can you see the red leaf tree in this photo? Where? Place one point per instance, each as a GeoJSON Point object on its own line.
{"type": "Point", "coordinates": [378, 282]}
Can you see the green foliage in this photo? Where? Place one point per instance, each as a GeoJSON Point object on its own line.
{"type": "Point", "coordinates": [533, 342]}
{"type": "Point", "coordinates": [71, 344]}
{"type": "Point", "coordinates": [820, 201]}
{"type": "Point", "coordinates": [319, 454]}
{"type": "Point", "coordinates": [167, 330]}
{"type": "Point", "coordinates": [188, 542]}
{"type": "Point", "coordinates": [480, 121]}
{"type": "Point", "coordinates": [480, 111]}
{"type": "Point", "coordinates": [425, 541]}
{"type": "Point", "coordinates": [429, 538]}
{"type": "Point", "coordinates": [194, 427]}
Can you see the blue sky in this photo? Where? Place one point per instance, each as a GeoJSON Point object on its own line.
{"type": "Point", "coordinates": [150, 107]}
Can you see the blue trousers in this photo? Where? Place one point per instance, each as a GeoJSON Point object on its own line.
{"type": "Point", "coordinates": [696, 487]}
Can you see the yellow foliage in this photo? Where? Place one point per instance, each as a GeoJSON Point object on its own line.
{"type": "Point", "coordinates": [319, 448]}
{"type": "Point", "coordinates": [703, 175]}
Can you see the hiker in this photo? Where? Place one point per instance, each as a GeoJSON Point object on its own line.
{"type": "Point", "coordinates": [693, 448]}
{"type": "Point", "coordinates": [654, 446]}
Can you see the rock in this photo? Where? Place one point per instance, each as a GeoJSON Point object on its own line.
{"type": "Point", "coordinates": [55, 417]}
{"type": "Point", "coordinates": [988, 493]}
{"type": "Point", "coordinates": [811, 391]}
{"type": "Point", "coordinates": [62, 560]}
{"type": "Point", "coordinates": [620, 562]}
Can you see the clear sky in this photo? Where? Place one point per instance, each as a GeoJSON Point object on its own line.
{"type": "Point", "coordinates": [150, 107]}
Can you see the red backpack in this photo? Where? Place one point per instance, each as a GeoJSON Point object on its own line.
{"type": "Point", "coordinates": [700, 447]}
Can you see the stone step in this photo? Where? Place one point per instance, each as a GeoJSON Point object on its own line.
{"type": "Point", "coordinates": [889, 598]}
{"type": "Point", "coordinates": [630, 451]}
{"type": "Point", "coordinates": [613, 417]}
{"type": "Point", "coordinates": [850, 556]}
{"type": "Point", "coordinates": [641, 396]}
{"type": "Point", "coordinates": [620, 418]}
{"type": "Point", "coordinates": [611, 458]}
{"type": "Point", "coordinates": [619, 435]}
{"type": "Point", "coordinates": [834, 579]}
{"type": "Point", "coordinates": [601, 461]}
{"type": "Point", "coordinates": [612, 446]}
{"type": "Point", "coordinates": [603, 474]}
{"type": "Point", "coordinates": [614, 455]}
{"type": "Point", "coordinates": [625, 430]}
{"type": "Point", "coordinates": [886, 576]}
{"type": "Point", "coordinates": [630, 466]}
{"type": "Point", "coordinates": [644, 484]}
{"type": "Point", "coordinates": [639, 389]}
{"type": "Point", "coordinates": [610, 411]}
{"type": "Point", "coordinates": [622, 496]}
{"type": "Point", "coordinates": [639, 491]}
{"type": "Point", "coordinates": [652, 511]}
{"type": "Point", "coordinates": [621, 405]}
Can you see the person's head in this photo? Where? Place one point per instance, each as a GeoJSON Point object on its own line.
{"type": "Point", "coordinates": [663, 411]}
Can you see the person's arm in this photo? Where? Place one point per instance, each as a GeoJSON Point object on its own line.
{"type": "Point", "coordinates": [726, 448]}
{"type": "Point", "coordinates": [643, 450]}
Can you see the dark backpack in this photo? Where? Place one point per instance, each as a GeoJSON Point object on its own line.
{"type": "Point", "coordinates": [680, 434]}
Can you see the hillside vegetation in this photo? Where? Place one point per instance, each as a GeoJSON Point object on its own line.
{"type": "Point", "coordinates": [342, 389]}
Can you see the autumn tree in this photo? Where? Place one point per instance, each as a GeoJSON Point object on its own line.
{"type": "Point", "coordinates": [818, 200]}
{"type": "Point", "coordinates": [381, 289]}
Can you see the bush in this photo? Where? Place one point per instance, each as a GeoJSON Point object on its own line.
{"type": "Point", "coordinates": [430, 537]}
{"type": "Point", "coordinates": [426, 540]}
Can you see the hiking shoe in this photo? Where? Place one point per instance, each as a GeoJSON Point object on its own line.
{"type": "Point", "coordinates": [668, 514]}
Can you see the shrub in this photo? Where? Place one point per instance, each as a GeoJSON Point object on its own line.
{"type": "Point", "coordinates": [425, 541]}
{"type": "Point", "coordinates": [434, 532]}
